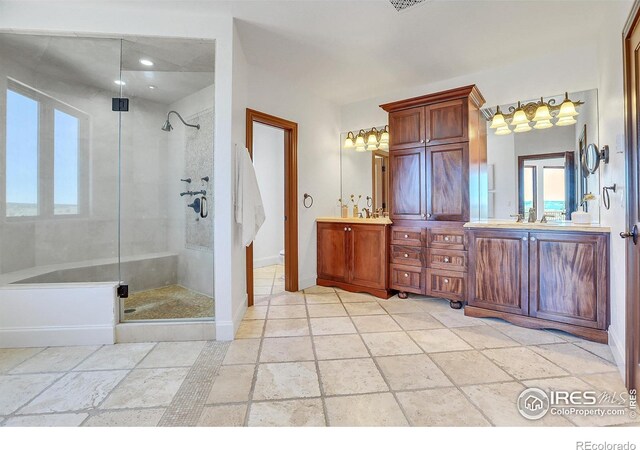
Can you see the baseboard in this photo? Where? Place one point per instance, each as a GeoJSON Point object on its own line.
{"type": "Point", "coordinates": [226, 330]}
{"type": "Point", "coordinates": [267, 261]}
{"type": "Point", "coordinates": [57, 336]}
{"type": "Point", "coordinates": [618, 351]}
{"type": "Point", "coordinates": [166, 331]}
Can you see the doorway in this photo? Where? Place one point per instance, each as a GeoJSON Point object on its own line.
{"type": "Point", "coordinates": [632, 119]}
{"type": "Point", "coordinates": [289, 134]}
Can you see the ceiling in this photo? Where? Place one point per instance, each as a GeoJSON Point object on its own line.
{"type": "Point", "coordinates": [181, 67]}
{"type": "Point", "coordinates": [350, 50]}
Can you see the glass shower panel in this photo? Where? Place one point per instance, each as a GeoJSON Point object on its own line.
{"type": "Point", "coordinates": [166, 170]}
{"type": "Point", "coordinates": [59, 155]}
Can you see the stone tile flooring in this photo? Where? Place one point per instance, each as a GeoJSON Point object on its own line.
{"type": "Point", "coordinates": [314, 358]}
{"type": "Point", "coordinates": [268, 280]}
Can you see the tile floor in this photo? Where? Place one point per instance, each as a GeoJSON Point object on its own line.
{"type": "Point", "coordinates": [168, 302]}
{"type": "Point", "coordinates": [268, 280]}
{"type": "Point", "coordinates": [314, 358]}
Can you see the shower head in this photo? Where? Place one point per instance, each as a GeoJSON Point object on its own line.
{"type": "Point", "coordinates": [167, 125]}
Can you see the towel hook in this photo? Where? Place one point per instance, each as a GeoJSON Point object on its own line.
{"type": "Point", "coordinates": [304, 202]}
{"type": "Point", "coordinates": [605, 195]}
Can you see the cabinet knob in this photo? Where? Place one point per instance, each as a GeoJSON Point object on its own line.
{"type": "Point", "coordinates": [428, 140]}
{"type": "Point", "coordinates": [406, 275]}
{"type": "Point", "coordinates": [406, 236]}
{"type": "Point", "coordinates": [533, 239]}
{"type": "Point", "coordinates": [446, 259]}
{"type": "Point", "coordinates": [422, 141]}
{"type": "Point", "coordinates": [424, 216]}
{"type": "Point", "coordinates": [428, 214]}
{"type": "Point", "coordinates": [406, 255]}
{"type": "Point", "coordinates": [349, 229]}
{"type": "Point", "coordinates": [446, 280]}
{"type": "Point", "coordinates": [525, 239]}
{"type": "Point", "coordinates": [446, 238]}
{"type": "Point", "coordinates": [345, 228]}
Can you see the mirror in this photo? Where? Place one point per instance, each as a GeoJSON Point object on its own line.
{"type": "Point", "coordinates": [365, 175]}
{"type": "Point", "coordinates": [592, 157]}
{"type": "Point", "coordinates": [545, 169]}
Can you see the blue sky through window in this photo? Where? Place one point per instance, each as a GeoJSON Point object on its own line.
{"type": "Point", "coordinates": [22, 155]}
{"type": "Point", "coordinates": [65, 163]}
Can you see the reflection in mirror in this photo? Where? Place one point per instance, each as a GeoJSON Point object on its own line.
{"type": "Point", "coordinates": [364, 175]}
{"type": "Point", "coordinates": [541, 168]}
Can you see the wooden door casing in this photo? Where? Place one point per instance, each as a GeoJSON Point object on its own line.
{"type": "Point", "coordinates": [333, 252]}
{"type": "Point", "coordinates": [505, 290]}
{"type": "Point", "coordinates": [447, 175]}
{"type": "Point", "coordinates": [567, 281]}
{"type": "Point", "coordinates": [367, 262]}
{"type": "Point", "coordinates": [446, 122]}
{"type": "Point", "coordinates": [408, 184]}
{"type": "Point", "coordinates": [406, 128]}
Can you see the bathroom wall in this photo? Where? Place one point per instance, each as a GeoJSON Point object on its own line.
{"type": "Point", "coordinates": [32, 242]}
{"type": "Point", "coordinates": [268, 160]}
{"type": "Point", "coordinates": [189, 236]}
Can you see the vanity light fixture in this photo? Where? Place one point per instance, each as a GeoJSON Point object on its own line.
{"type": "Point", "coordinates": [371, 140]}
{"type": "Point", "coordinates": [348, 142]}
{"type": "Point", "coordinates": [542, 114]}
{"type": "Point", "coordinates": [384, 136]}
{"type": "Point", "coordinates": [360, 144]}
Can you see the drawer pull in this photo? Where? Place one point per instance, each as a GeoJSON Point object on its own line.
{"type": "Point", "coordinates": [406, 236]}
{"type": "Point", "coordinates": [446, 259]}
{"type": "Point", "coordinates": [525, 239]}
{"type": "Point", "coordinates": [345, 228]}
{"type": "Point", "coordinates": [446, 238]}
{"type": "Point", "coordinates": [406, 275]}
{"type": "Point", "coordinates": [446, 280]}
{"type": "Point", "coordinates": [406, 255]}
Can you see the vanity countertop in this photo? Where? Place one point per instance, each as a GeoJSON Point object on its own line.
{"type": "Point", "coordinates": [550, 226]}
{"type": "Point", "coordinates": [378, 221]}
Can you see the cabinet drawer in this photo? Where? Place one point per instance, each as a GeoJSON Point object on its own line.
{"type": "Point", "coordinates": [408, 256]}
{"type": "Point", "coordinates": [407, 279]}
{"type": "Point", "coordinates": [446, 284]}
{"type": "Point", "coordinates": [407, 236]}
{"type": "Point", "coordinates": [446, 238]}
{"type": "Point", "coordinates": [447, 259]}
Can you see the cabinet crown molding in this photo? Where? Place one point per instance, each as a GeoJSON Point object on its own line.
{"type": "Point", "coordinates": [470, 91]}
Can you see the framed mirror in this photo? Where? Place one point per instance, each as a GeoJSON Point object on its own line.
{"type": "Point", "coordinates": [591, 158]}
{"type": "Point", "coordinates": [524, 176]}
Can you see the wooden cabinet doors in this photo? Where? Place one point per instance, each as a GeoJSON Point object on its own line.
{"type": "Point", "coordinates": [408, 184]}
{"type": "Point", "coordinates": [447, 176]}
{"type": "Point", "coordinates": [367, 263]}
{"type": "Point", "coordinates": [446, 122]}
{"type": "Point", "coordinates": [407, 128]}
{"type": "Point", "coordinates": [567, 278]}
{"type": "Point", "coordinates": [332, 252]}
{"type": "Point", "coordinates": [499, 270]}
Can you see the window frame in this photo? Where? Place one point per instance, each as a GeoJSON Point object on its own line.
{"type": "Point", "coordinates": [47, 105]}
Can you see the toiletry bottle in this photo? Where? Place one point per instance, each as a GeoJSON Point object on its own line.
{"type": "Point", "coordinates": [345, 211]}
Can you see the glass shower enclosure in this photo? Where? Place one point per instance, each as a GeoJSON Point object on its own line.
{"type": "Point", "coordinates": [97, 187]}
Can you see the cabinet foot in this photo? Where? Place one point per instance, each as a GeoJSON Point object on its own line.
{"type": "Point", "coordinates": [455, 305]}
{"type": "Point", "coordinates": [403, 295]}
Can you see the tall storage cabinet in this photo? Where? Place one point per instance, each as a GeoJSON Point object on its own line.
{"type": "Point", "coordinates": [437, 163]}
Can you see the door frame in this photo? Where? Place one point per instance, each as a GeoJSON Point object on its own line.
{"type": "Point", "coordinates": [632, 164]}
{"type": "Point", "coordinates": [290, 198]}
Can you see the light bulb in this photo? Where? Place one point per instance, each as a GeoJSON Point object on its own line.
{"type": "Point", "coordinates": [503, 131]}
{"type": "Point", "coordinates": [543, 124]}
{"type": "Point", "coordinates": [565, 121]}
{"type": "Point", "coordinates": [568, 108]}
{"type": "Point", "coordinates": [522, 128]}
{"type": "Point", "coordinates": [519, 117]}
{"type": "Point", "coordinates": [498, 120]}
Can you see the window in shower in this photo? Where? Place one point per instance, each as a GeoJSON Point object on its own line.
{"type": "Point", "coordinates": [22, 155]}
{"type": "Point", "coordinates": [46, 165]}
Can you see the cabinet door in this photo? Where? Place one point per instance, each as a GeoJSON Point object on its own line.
{"type": "Point", "coordinates": [567, 278]}
{"type": "Point", "coordinates": [406, 128]}
{"type": "Point", "coordinates": [367, 257]}
{"type": "Point", "coordinates": [498, 270]}
{"type": "Point", "coordinates": [448, 182]}
{"type": "Point", "coordinates": [332, 251]}
{"type": "Point", "coordinates": [446, 122]}
{"type": "Point", "coordinates": [408, 193]}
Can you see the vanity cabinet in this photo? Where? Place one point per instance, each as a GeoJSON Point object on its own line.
{"type": "Point", "coordinates": [354, 256]}
{"type": "Point", "coordinates": [541, 279]}
{"type": "Point", "coordinates": [408, 184]}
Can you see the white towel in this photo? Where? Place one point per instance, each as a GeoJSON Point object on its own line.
{"type": "Point", "coordinates": [249, 209]}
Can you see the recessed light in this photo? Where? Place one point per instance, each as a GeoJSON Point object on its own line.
{"type": "Point", "coordinates": [119, 82]}
{"type": "Point", "coordinates": [146, 62]}
{"type": "Point", "coordinates": [151, 86]}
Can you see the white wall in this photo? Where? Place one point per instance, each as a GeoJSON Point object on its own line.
{"type": "Point", "coordinates": [611, 129]}
{"type": "Point", "coordinates": [268, 160]}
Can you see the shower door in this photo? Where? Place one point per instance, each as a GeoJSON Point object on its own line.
{"type": "Point", "coordinates": [166, 178]}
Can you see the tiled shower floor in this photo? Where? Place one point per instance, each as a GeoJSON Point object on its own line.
{"type": "Point", "coordinates": [169, 302]}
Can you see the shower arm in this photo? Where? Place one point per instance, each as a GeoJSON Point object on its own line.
{"type": "Point", "coordinates": [182, 120]}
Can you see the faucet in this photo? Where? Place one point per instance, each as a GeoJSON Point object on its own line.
{"type": "Point", "coordinates": [532, 215]}
{"type": "Point", "coordinates": [519, 217]}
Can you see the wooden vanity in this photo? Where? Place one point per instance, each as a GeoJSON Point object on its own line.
{"type": "Point", "coordinates": [540, 276]}
{"type": "Point", "coordinates": [352, 254]}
